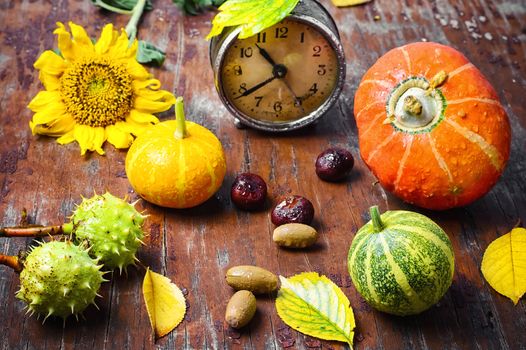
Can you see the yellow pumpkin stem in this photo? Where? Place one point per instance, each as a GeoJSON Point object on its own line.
{"type": "Point", "coordinates": [180, 129]}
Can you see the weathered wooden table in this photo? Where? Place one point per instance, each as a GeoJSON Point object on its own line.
{"type": "Point", "coordinates": [195, 247]}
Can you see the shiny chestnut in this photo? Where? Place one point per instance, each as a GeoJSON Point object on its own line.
{"type": "Point", "coordinates": [293, 209]}
{"type": "Point", "coordinates": [334, 164]}
{"type": "Point", "coordinates": [249, 191]}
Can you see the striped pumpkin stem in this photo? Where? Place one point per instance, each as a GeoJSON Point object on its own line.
{"type": "Point", "coordinates": [378, 225]}
{"type": "Point", "coordinates": [11, 261]}
{"type": "Point", "coordinates": [180, 129]}
{"type": "Point", "coordinates": [36, 231]}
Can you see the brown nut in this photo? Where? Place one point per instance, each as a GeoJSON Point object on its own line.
{"type": "Point", "coordinates": [240, 309]}
{"type": "Point", "coordinates": [295, 235]}
{"type": "Point", "coordinates": [252, 278]}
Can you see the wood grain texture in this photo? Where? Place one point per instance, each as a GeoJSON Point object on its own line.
{"type": "Point", "coordinates": [195, 247]}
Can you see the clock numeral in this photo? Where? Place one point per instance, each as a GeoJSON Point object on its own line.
{"type": "Point", "coordinates": [317, 51]}
{"type": "Point", "coordinates": [246, 52]}
{"type": "Point", "coordinates": [322, 70]}
{"type": "Point", "coordinates": [302, 37]}
{"type": "Point", "coordinates": [243, 88]}
{"type": "Point", "coordinates": [281, 32]}
{"type": "Point", "coordinates": [314, 88]}
{"type": "Point", "coordinates": [277, 107]}
{"type": "Point", "coordinates": [262, 37]}
{"type": "Point", "coordinates": [238, 70]}
{"type": "Point", "coordinates": [258, 100]}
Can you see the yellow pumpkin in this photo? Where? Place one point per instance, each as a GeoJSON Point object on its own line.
{"type": "Point", "coordinates": [176, 163]}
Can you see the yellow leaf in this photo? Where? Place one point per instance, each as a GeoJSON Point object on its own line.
{"type": "Point", "coordinates": [504, 264]}
{"type": "Point", "coordinates": [165, 303]}
{"type": "Point", "coordinates": [251, 16]}
{"type": "Point", "coordinates": [314, 305]}
{"type": "Point", "coordinates": [343, 3]}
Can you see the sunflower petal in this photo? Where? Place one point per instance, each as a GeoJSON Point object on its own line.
{"type": "Point", "coordinates": [80, 38]}
{"type": "Point", "coordinates": [50, 82]}
{"type": "Point", "coordinates": [56, 128]}
{"type": "Point", "coordinates": [67, 137]}
{"type": "Point", "coordinates": [136, 70]}
{"type": "Point", "coordinates": [108, 36]}
{"type": "Point", "coordinates": [132, 49]}
{"type": "Point", "coordinates": [153, 84]}
{"type": "Point", "coordinates": [117, 137]}
{"type": "Point", "coordinates": [146, 105]}
{"type": "Point", "coordinates": [132, 127]}
{"type": "Point", "coordinates": [99, 136]}
{"type": "Point", "coordinates": [120, 49]}
{"type": "Point", "coordinates": [43, 99]}
{"type": "Point", "coordinates": [84, 137]}
{"type": "Point", "coordinates": [49, 115]}
{"type": "Point", "coordinates": [50, 63]}
{"type": "Point", "coordinates": [141, 117]}
{"type": "Point", "coordinates": [64, 42]}
{"type": "Point", "coordinates": [156, 95]}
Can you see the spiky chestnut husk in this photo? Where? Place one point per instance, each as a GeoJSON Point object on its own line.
{"type": "Point", "coordinates": [111, 227]}
{"type": "Point", "coordinates": [59, 279]}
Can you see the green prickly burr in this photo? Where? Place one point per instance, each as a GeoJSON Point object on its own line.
{"type": "Point", "coordinates": [57, 279]}
{"type": "Point", "coordinates": [111, 227]}
{"type": "Point", "coordinates": [108, 225]}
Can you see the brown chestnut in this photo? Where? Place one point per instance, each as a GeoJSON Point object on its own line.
{"type": "Point", "coordinates": [293, 209]}
{"type": "Point", "coordinates": [249, 191]}
{"type": "Point", "coordinates": [334, 164]}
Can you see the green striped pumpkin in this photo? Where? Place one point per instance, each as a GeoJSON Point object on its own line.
{"type": "Point", "coordinates": [401, 262]}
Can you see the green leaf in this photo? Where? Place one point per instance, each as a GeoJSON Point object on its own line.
{"type": "Point", "coordinates": [126, 5]}
{"type": "Point", "coordinates": [194, 7]}
{"type": "Point", "coordinates": [252, 16]}
{"type": "Point", "coordinates": [314, 305]}
{"type": "Point", "coordinates": [147, 53]}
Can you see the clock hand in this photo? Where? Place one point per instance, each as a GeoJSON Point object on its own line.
{"type": "Point", "coordinates": [297, 101]}
{"type": "Point", "coordinates": [256, 87]}
{"type": "Point", "coordinates": [266, 55]}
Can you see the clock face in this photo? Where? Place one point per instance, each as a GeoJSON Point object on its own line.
{"type": "Point", "coordinates": [281, 74]}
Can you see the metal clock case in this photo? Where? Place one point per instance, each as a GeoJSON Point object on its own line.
{"type": "Point", "coordinates": [264, 80]}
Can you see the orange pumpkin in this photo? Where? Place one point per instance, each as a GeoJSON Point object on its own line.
{"type": "Point", "coordinates": [431, 127]}
{"type": "Point", "coordinates": [176, 163]}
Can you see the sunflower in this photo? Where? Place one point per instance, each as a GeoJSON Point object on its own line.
{"type": "Point", "coordinates": [95, 91]}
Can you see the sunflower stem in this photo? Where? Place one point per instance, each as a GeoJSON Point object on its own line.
{"type": "Point", "coordinates": [131, 27]}
{"type": "Point", "coordinates": [36, 231]}
{"type": "Point", "coordinates": [180, 128]}
{"type": "Point", "coordinates": [112, 8]}
{"type": "Point", "coordinates": [11, 261]}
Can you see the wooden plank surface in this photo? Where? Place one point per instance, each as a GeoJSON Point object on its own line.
{"type": "Point", "coordinates": [195, 247]}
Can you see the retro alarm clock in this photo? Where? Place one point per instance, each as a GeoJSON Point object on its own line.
{"type": "Point", "coordinates": [284, 77]}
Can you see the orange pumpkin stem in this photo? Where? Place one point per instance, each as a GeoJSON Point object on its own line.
{"type": "Point", "coordinates": [412, 105]}
{"type": "Point", "coordinates": [378, 225]}
{"type": "Point", "coordinates": [180, 129]}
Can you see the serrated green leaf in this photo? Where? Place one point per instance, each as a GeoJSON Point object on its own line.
{"type": "Point", "coordinates": [252, 16]}
{"type": "Point", "coordinates": [314, 305]}
{"type": "Point", "coordinates": [127, 5]}
{"type": "Point", "coordinates": [193, 7]}
{"type": "Point", "coordinates": [147, 53]}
